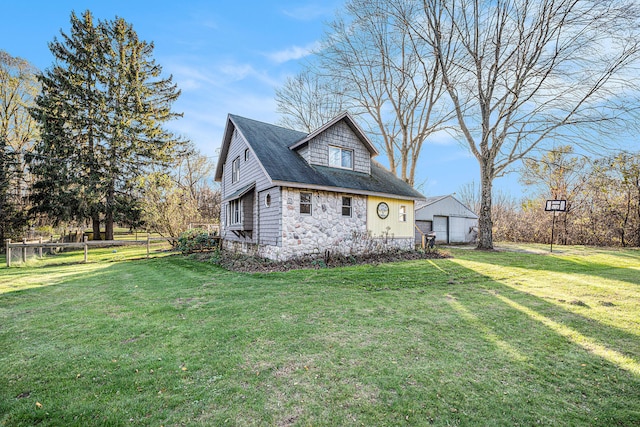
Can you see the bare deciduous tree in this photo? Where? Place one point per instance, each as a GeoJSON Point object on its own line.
{"type": "Point", "coordinates": [521, 73]}
{"type": "Point", "coordinates": [171, 202]}
{"type": "Point", "coordinates": [369, 64]}
{"type": "Point", "coordinates": [18, 89]}
{"type": "Point", "coordinates": [193, 174]}
{"type": "Point", "coordinates": [558, 174]}
{"type": "Point", "coordinates": [307, 101]}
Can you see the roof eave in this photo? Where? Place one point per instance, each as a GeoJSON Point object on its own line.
{"type": "Point", "coordinates": [345, 190]}
{"type": "Point", "coordinates": [224, 149]}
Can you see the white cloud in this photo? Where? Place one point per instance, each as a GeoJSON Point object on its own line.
{"type": "Point", "coordinates": [191, 78]}
{"type": "Point", "coordinates": [293, 52]}
{"type": "Point", "coordinates": [213, 90]}
{"type": "Point", "coordinates": [441, 137]}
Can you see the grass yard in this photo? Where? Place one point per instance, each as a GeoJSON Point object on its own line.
{"type": "Point", "coordinates": [519, 337]}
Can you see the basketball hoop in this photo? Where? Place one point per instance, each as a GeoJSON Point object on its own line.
{"type": "Point", "coordinates": [556, 206]}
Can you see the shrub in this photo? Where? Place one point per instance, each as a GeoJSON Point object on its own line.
{"type": "Point", "coordinates": [196, 240]}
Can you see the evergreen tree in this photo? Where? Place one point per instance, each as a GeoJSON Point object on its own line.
{"type": "Point", "coordinates": [102, 109]}
{"type": "Point", "coordinates": [69, 110]}
{"type": "Point", "coordinates": [138, 102]}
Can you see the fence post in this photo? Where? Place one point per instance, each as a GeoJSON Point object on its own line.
{"type": "Point", "coordinates": [148, 243]}
{"type": "Point", "coordinates": [86, 248]}
{"type": "Point", "coordinates": [8, 252]}
{"type": "Point", "coordinates": [24, 250]}
{"type": "Point", "coordinates": [40, 248]}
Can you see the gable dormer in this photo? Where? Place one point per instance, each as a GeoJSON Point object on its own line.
{"type": "Point", "coordinates": [339, 144]}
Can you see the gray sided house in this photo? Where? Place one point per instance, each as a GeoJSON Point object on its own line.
{"type": "Point", "coordinates": [448, 218]}
{"type": "Point", "coordinates": [287, 193]}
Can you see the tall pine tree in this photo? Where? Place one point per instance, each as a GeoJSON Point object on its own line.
{"type": "Point", "coordinates": [102, 110]}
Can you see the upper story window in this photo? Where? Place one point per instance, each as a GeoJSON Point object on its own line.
{"type": "Point", "coordinates": [246, 154]}
{"type": "Point", "coordinates": [340, 157]}
{"type": "Point", "coordinates": [402, 217]}
{"type": "Point", "coordinates": [235, 170]}
{"type": "Point", "coordinates": [305, 203]}
{"type": "Point", "coordinates": [346, 206]}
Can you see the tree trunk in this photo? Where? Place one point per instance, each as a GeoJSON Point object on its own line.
{"type": "Point", "coordinates": [485, 223]}
{"type": "Point", "coordinates": [108, 219]}
{"type": "Point", "coordinates": [108, 226]}
{"type": "Point", "coordinates": [95, 222]}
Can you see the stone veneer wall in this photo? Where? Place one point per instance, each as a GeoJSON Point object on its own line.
{"type": "Point", "coordinates": [326, 228]}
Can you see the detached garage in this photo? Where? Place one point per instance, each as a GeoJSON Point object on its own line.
{"type": "Point", "coordinates": [448, 218]}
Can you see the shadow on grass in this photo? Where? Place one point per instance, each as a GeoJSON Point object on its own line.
{"type": "Point", "coordinates": [410, 343]}
{"type": "Point", "coordinates": [575, 263]}
{"type": "Point", "coordinates": [616, 345]}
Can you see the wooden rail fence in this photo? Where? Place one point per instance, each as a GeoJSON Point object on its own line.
{"type": "Point", "coordinates": [85, 244]}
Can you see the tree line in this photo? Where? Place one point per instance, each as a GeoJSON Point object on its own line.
{"type": "Point", "coordinates": [84, 141]}
{"type": "Point", "coordinates": [602, 200]}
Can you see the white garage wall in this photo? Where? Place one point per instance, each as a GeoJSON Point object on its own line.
{"type": "Point", "coordinates": [440, 228]}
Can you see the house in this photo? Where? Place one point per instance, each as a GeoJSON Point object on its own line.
{"type": "Point", "coordinates": [448, 218]}
{"type": "Point", "coordinates": [287, 193]}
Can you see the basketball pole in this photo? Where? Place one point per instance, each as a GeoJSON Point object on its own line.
{"type": "Point", "coordinates": [553, 225]}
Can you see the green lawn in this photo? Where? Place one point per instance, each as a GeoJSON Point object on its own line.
{"type": "Point", "coordinates": [518, 337]}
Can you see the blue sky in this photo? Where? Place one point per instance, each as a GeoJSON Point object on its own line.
{"type": "Point", "coordinates": [226, 57]}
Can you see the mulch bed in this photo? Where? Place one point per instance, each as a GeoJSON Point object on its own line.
{"type": "Point", "coordinates": [251, 264]}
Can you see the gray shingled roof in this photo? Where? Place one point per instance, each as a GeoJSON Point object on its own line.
{"type": "Point", "coordinates": [271, 144]}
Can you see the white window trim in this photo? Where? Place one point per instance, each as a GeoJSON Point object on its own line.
{"type": "Point", "coordinates": [310, 204]}
{"type": "Point", "coordinates": [341, 150]}
{"type": "Point", "coordinates": [350, 206]}
{"type": "Point", "coordinates": [235, 212]}
{"type": "Point", "coordinates": [235, 170]}
{"type": "Point", "coordinates": [402, 213]}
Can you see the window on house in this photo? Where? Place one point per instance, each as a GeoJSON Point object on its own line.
{"type": "Point", "coordinates": [346, 206]}
{"type": "Point", "coordinates": [403, 214]}
{"type": "Point", "coordinates": [267, 200]}
{"type": "Point", "coordinates": [235, 206]}
{"type": "Point", "coordinates": [235, 170]}
{"type": "Point", "coordinates": [246, 154]}
{"type": "Point", "coordinates": [305, 203]}
{"type": "Point", "coordinates": [340, 157]}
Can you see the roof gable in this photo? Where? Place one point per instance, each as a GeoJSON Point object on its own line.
{"type": "Point", "coordinates": [272, 146]}
{"type": "Point", "coordinates": [432, 201]}
{"type": "Point", "coordinates": [346, 117]}
{"type": "Point", "coordinates": [267, 141]}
